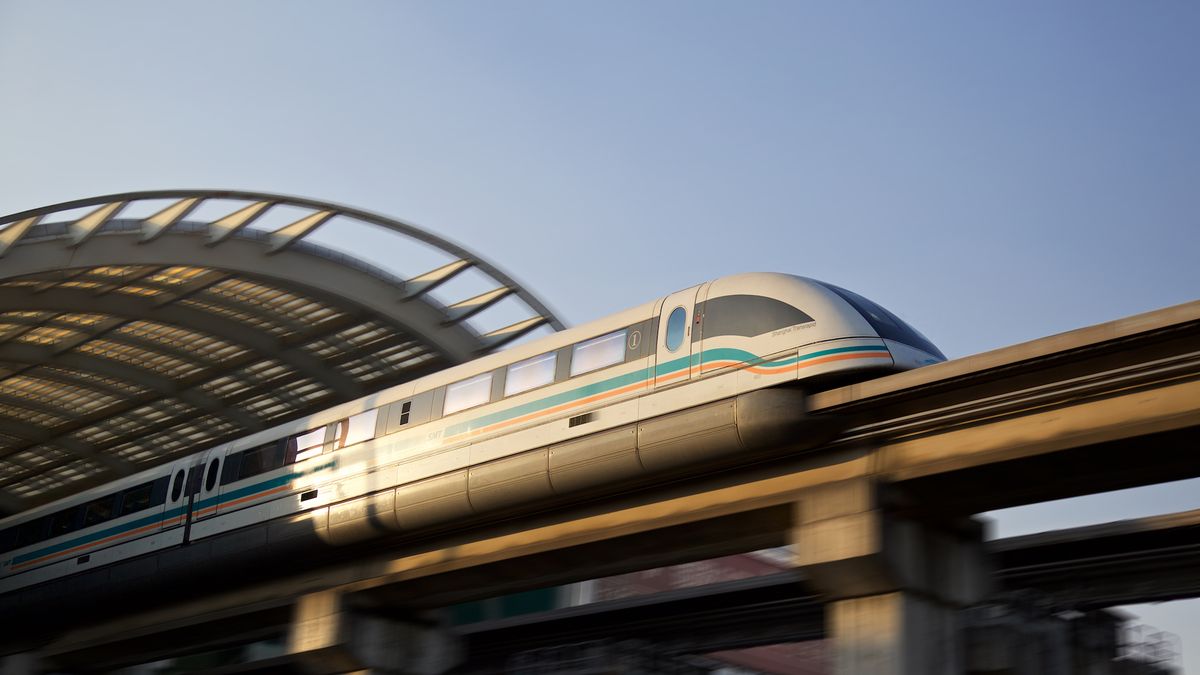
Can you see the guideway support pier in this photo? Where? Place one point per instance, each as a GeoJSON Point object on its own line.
{"type": "Point", "coordinates": [329, 635]}
{"type": "Point", "coordinates": [894, 586]}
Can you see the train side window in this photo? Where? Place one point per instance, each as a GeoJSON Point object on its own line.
{"type": "Point", "coordinates": [136, 498]}
{"type": "Point", "coordinates": [159, 495]}
{"type": "Point", "coordinates": [597, 353]}
{"type": "Point", "coordinates": [99, 510]}
{"type": "Point", "coordinates": [356, 429]}
{"type": "Point", "coordinates": [32, 532]}
{"type": "Point", "coordinates": [8, 539]}
{"type": "Point", "coordinates": [261, 459]}
{"type": "Point", "coordinates": [530, 373]}
{"type": "Point", "coordinates": [63, 522]}
{"type": "Point", "coordinates": [676, 326]}
{"type": "Point", "coordinates": [404, 411]}
{"type": "Point", "coordinates": [305, 445]}
{"type": "Point", "coordinates": [468, 393]}
{"type": "Point", "coordinates": [254, 461]}
{"type": "Point", "coordinates": [233, 468]}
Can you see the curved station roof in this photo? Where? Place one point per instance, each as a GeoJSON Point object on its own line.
{"type": "Point", "coordinates": [137, 328]}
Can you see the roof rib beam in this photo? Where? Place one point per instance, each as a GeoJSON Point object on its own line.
{"type": "Point", "coordinates": [160, 222]}
{"type": "Point", "coordinates": [86, 227]}
{"type": "Point", "coordinates": [290, 234]}
{"type": "Point", "coordinates": [502, 336]}
{"type": "Point", "coordinates": [465, 309]}
{"type": "Point", "coordinates": [424, 283]}
{"type": "Point", "coordinates": [12, 233]}
{"type": "Point", "coordinates": [220, 230]}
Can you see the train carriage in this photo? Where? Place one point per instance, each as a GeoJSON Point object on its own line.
{"type": "Point", "coordinates": [695, 379]}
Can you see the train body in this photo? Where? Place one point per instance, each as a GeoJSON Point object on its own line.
{"type": "Point", "coordinates": [696, 378]}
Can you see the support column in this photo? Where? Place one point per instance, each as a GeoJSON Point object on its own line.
{"type": "Point", "coordinates": [320, 635]}
{"type": "Point", "coordinates": [329, 637]}
{"type": "Point", "coordinates": [894, 587]}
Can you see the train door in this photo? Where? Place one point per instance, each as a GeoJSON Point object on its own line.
{"type": "Point", "coordinates": [208, 484]}
{"type": "Point", "coordinates": [673, 362]}
{"type": "Point", "coordinates": [177, 495]}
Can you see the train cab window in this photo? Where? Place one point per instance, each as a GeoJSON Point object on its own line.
{"type": "Point", "coordinates": [356, 429]}
{"type": "Point", "coordinates": [468, 393]}
{"type": "Point", "coordinates": [676, 327]}
{"type": "Point", "coordinates": [305, 445]}
{"type": "Point", "coordinates": [63, 522]}
{"type": "Point", "coordinates": [99, 510]}
{"type": "Point", "coordinates": [888, 325]}
{"type": "Point", "coordinates": [137, 498]}
{"type": "Point", "coordinates": [597, 353]}
{"type": "Point", "coordinates": [530, 373]}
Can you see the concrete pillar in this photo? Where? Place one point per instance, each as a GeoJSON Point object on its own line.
{"type": "Point", "coordinates": [894, 633]}
{"type": "Point", "coordinates": [895, 587]}
{"type": "Point", "coordinates": [320, 634]}
{"type": "Point", "coordinates": [327, 636]}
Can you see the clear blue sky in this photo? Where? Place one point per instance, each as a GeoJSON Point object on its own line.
{"type": "Point", "coordinates": [993, 172]}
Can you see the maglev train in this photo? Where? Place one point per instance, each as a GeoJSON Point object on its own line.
{"type": "Point", "coordinates": [707, 375]}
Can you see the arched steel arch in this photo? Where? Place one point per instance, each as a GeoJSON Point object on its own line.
{"type": "Point", "coordinates": [125, 342]}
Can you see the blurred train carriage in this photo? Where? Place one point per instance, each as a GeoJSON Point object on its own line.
{"type": "Point", "coordinates": [690, 382]}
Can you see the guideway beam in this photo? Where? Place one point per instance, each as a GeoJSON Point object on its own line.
{"type": "Point", "coordinates": [893, 587]}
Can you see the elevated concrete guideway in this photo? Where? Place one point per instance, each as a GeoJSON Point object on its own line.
{"type": "Point", "coordinates": [1095, 409]}
{"type": "Point", "coordinates": [1079, 567]}
{"type": "Point", "coordinates": [879, 518]}
{"type": "Point", "coordinates": [1127, 562]}
{"type": "Point", "coordinates": [1084, 568]}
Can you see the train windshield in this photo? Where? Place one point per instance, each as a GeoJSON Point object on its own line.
{"type": "Point", "coordinates": [888, 325]}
